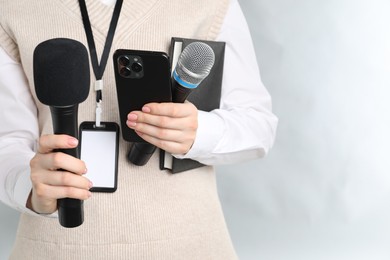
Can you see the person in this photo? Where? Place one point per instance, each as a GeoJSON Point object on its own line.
{"type": "Point", "coordinates": [153, 214]}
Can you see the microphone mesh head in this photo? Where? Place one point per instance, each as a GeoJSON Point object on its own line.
{"type": "Point", "coordinates": [195, 62]}
{"type": "Point", "coordinates": [61, 72]}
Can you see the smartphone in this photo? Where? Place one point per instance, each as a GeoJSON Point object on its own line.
{"type": "Point", "coordinates": [141, 77]}
{"type": "Point", "coordinates": [99, 150]}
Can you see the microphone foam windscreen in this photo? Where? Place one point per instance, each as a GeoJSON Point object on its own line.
{"type": "Point", "coordinates": [61, 72]}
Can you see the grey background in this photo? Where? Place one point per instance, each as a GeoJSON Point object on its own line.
{"type": "Point", "coordinates": [323, 192]}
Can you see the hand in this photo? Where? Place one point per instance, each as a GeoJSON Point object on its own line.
{"type": "Point", "coordinates": [49, 183]}
{"type": "Point", "coordinates": [169, 126]}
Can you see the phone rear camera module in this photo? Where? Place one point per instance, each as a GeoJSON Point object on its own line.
{"type": "Point", "coordinates": [136, 67]}
{"type": "Point", "coordinates": [124, 60]}
{"type": "Point", "coordinates": [125, 72]}
{"type": "Point", "coordinates": [130, 66]}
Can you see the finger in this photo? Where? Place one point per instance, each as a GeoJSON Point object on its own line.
{"type": "Point", "coordinates": [55, 161]}
{"type": "Point", "coordinates": [59, 192]}
{"type": "Point", "coordinates": [169, 109]}
{"type": "Point", "coordinates": [48, 143]}
{"type": "Point", "coordinates": [167, 145]}
{"type": "Point", "coordinates": [61, 178]}
{"type": "Point", "coordinates": [160, 133]}
{"type": "Point", "coordinates": [138, 118]}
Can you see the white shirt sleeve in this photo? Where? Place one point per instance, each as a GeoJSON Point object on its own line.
{"type": "Point", "coordinates": [18, 133]}
{"type": "Point", "coordinates": [244, 127]}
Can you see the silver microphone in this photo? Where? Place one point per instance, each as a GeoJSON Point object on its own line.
{"type": "Point", "coordinates": [193, 66]}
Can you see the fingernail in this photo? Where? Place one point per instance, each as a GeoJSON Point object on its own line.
{"type": "Point", "coordinates": [85, 171]}
{"type": "Point", "coordinates": [146, 109]}
{"type": "Point", "coordinates": [89, 194]}
{"type": "Point", "coordinates": [90, 184]}
{"type": "Point", "coordinates": [132, 117]}
{"type": "Point", "coordinates": [73, 141]}
{"type": "Point", "coordinates": [131, 123]}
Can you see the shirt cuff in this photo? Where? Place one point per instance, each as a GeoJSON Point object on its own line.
{"type": "Point", "coordinates": [209, 133]}
{"type": "Point", "coordinates": [22, 191]}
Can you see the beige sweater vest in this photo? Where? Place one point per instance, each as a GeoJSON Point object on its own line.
{"type": "Point", "coordinates": [153, 214]}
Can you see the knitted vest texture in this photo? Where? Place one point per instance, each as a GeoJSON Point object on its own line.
{"type": "Point", "coordinates": [153, 214]}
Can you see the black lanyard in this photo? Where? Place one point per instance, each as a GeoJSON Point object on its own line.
{"type": "Point", "coordinates": [98, 69]}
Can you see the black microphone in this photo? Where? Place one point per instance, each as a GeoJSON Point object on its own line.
{"type": "Point", "coordinates": [62, 78]}
{"type": "Point", "coordinates": [193, 66]}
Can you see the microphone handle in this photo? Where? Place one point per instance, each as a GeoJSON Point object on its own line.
{"type": "Point", "coordinates": [70, 211]}
{"type": "Point", "coordinates": [179, 93]}
{"type": "Point", "coordinates": [140, 153]}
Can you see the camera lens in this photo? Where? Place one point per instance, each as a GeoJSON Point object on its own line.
{"type": "Point", "coordinates": [125, 72]}
{"type": "Point", "coordinates": [136, 67]}
{"type": "Point", "coordinates": [124, 60]}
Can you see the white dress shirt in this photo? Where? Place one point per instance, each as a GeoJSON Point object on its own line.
{"type": "Point", "coordinates": [243, 129]}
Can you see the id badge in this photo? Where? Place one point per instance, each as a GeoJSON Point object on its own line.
{"type": "Point", "coordinates": [99, 150]}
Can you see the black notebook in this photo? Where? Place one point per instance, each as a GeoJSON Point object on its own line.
{"type": "Point", "coordinates": [205, 97]}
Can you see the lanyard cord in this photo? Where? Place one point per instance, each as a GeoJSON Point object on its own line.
{"type": "Point", "coordinates": [98, 69]}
